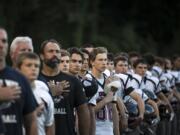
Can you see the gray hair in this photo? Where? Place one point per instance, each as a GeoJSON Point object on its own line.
{"type": "Point", "coordinates": [20, 39]}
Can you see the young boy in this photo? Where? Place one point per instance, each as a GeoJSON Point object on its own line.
{"type": "Point", "coordinates": [28, 64]}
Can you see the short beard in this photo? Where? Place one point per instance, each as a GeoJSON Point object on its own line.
{"type": "Point", "coordinates": [52, 63]}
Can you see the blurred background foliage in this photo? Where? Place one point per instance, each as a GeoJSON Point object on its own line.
{"type": "Point", "coordinates": [131, 25]}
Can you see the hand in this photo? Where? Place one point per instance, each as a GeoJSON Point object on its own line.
{"type": "Point", "coordinates": [111, 79]}
{"type": "Point", "coordinates": [40, 109]}
{"type": "Point", "coordinates": [162, 103]}
{"type": "Point", "coordinates": [109, 97]}
{"type": "Point", "coordinates": [8, 93]}
{"type": "Point", "coordinates": [156, 121]}
{"type": "Point", "coordinates": [141, 117]}
{"type": "Point", "coordinates": [172, 116]}
{"type": "Point", "coordinates": [58, 88]}
{"type": "Point", "coordinates": [112, 84]}
{"type": "Point", "coordinates": [136, 122]}
{"type": "Point", "coordinates": [123, 121]}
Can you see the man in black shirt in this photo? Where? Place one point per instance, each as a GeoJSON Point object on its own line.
{"type": "Point", "coordinates": [19, 104]}
{"type": "Point", "coordinates": [65, 100]}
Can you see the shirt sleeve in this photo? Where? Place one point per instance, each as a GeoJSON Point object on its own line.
{"type": "Point", "coordinates": [50, 112]}
{"type": "Point", "coordinates": [80, 97]}
{"type": "Point", "coordinates": [142, 94]}
{"type": "Point", "coordinates": [93, 99]}
{"type": "Point", "coordinates": [134, 84]}
{"type": "Point", "coordinates": [128, 90]}
{"type": "Point", "coordinates": [158, 90]}
{"type": "Point", "coordinates": [30, 103]}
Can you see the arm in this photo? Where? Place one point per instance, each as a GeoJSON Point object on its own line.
{"type": "Point", "coordinates": [176, 94]}
{"type": "Point", "coordinates": [170, 95]}
{"type": "Point", "coordinates": [9, 93]}
{"type": "Point", "coordinates": [121, 107]}
{"type": "Point", "coordinates": [49, 122]}
{"type": "Point", "coordinates": [155, 106]}
{"type": "Point", "coordinates": [92, 120]}
{"type": "Point", "coordinates": [140, 103]}
{"type": "Point", "coordinates": [84, 119]}
{"type": "Point", "coordinates": [115, 118]}
{"type": "Point", "coordinates": [123, 119]}
{"type": "Point", "coordinates": [58, 88]}
{"type": "Point", "coordinates": [107, 99]}
{"type": "Point", "coordinates": [163, 98]}
{"type": "Point", "coordinates": [50, 130]}
{"type": "Point", "coordinates": [30, 123]}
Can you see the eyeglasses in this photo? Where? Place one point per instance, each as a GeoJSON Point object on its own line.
{"type": "Point", "coordinates": [4, 41]}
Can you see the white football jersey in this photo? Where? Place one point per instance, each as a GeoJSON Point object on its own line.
{"type": "Point", "coordinates": [104, 124]}
{"type": "Point", "coordinates": [152, 84]}
{"type": "Point", "coordinates": [41, 93]}
{"type": "Point", "coordinates": [136, 84]}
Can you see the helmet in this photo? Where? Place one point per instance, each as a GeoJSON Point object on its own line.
{"type": "Point", "coordinates": [148, 109]}
{"type": "Point", "coordinates": [149, 115]}
{"type": "Point", "coordinates": [133, 120]}
{"type": "Point", "coordinates": [150, 94]}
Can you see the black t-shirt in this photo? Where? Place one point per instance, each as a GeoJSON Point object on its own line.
{"type": "Point", "coordinates": [12, 114]}
{"type": "Point", "coordinates": [64, 105]}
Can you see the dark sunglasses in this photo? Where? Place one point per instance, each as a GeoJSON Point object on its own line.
{"type": "Point", "coordinates": [3, 40]}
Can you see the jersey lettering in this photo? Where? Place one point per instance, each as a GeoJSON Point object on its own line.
{"type": "Point", "coordinates": [60, 111]}
{"type": "Point", "coordinates": [9, 118]}
{"type": "Point", "coordinates": [106, 112]}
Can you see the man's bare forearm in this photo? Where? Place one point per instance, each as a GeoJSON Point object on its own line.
{"type": "Point", "coordinates": [163, 98]}
{"type": "Point", "coordinates": [83, 119]}
{"type": "Point", "coordinates": [115, 117]}
{"type": "Point", "coordinates": [140, 103]}
{"type": "Point", "coordinates": [107, 99]}
{"type": "Point", "coordinates": [30, 123]}
{"type": "Point", "coordinates": [92, 120]}
{"type": "Point", "coordinates": [50, 130]}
